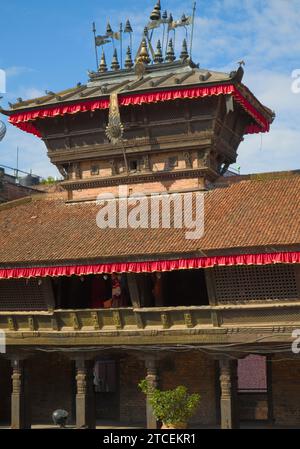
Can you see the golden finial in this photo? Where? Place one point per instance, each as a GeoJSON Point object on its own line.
{"type": "Point", "coordinates": [170, 53]}
{"type": "Point", "coordinates": [103, 65]}
{"type": "Point", "coordinates": [156, 13]}
{"type": "Point", "coordinates": [158, 58]}
{"type": "Point", "coordinates": [184, 55]}
{"type": "Point", "coordinates": [144, 54]}
{"type": "Point", "coordinates": [128, 61]}
{"type": "Point", "coordinates": [115, 63]}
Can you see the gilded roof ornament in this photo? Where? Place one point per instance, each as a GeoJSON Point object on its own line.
{"type": "Point", "coordinates": [158, 59]}
{"type": "Point", "coordinates": [103, 65]}
{"type": "Point", "coordinates": [115, 129]}
{"type": "Point", "coordinates": [170, 57]}
{"type": "Point", "coordinates": [156, 13]}
{"type": "Point", "coordinates": [128, 60]}
{"type": "Point", "coordinates": [144, 54]}
{"type": "Point", "coordinates": [128, 27]}
{"type": "Point", "coordinates": [115, 62]}
{"type": "Point", "coordinates": [184, 55]}
{"type": "Point", "coordinates": [109, 31]}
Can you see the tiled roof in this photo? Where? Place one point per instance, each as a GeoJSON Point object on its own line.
{"type": "Point", "coordinates": [167, 76]}
{"type": "Point", "coordinates": [258, 213]}
{"type": "Point", "coordinates": [163, 76]}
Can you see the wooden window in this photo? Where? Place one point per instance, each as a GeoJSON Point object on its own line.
{"type": "Point", "coordinates": [255, 283]}
{"type": "Point", "coordinates": [95, 170]}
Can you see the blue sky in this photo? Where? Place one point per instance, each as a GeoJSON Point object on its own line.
{"type": "Point", "coordinates": [49, 45]}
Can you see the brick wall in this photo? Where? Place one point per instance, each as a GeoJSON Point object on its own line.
{"type": "Point", "coordinates": [5, 391]}
{"type": "Point", "coordinates": [197, 372]}
{"type": "Point", "coordinates": [132, 400]}
{"type": "Point", "coordinates": [146, 188]}
{"type": "Point", "coordinates": [286, 391]}
{"type": "Point", "coordinates": [51, 380]}
{"type": "Point", "coordinates": [193, 370]}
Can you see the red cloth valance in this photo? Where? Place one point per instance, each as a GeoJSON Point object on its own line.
{"type": "Point", "coordinates": [154, 266]}
{"type": "Point", "coordinates": [23, 120]}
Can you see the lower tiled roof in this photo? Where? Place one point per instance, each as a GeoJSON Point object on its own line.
{"type": "Point", "coordinates": [261, 213]}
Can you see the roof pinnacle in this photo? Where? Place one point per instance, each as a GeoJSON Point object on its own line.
{"type": "Point", "coordinates": [170, 57]}
{"type": "Point", "coordinates": [103, 65]}
{"type": "Point", "coordinates": [128, 61]}
{"type": "Point", "coordinates": [115, 62]}
{"type": "Point", "coordinates": [158, 59]}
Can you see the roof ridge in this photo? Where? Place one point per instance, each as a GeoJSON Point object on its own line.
{"type": "Point", "coordinates": [15, 203]}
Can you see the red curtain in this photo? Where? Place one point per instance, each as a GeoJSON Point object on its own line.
{"type": "Point", "coordinates": [154, 266]}
{"type": "Point", "coordinates": [24, 120]}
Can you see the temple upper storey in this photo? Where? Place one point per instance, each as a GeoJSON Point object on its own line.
{"type": "Point", "coordinates": [153, 122]}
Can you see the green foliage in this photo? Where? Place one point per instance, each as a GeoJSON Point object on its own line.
{"type": "Point", "coordinates": [172, 406]}
{"type": "Point", "coordinates": [48, 181]}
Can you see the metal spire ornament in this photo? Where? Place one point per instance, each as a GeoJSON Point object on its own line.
{"type": "Point", "coordinates": [144, 54]}
{"type": "Point", "coordinates": [128, 29]}
{"type": "Point", "coordinates": [170, 21]}
{"type": "Point", "coordinates": [96, 51]}
{"type": "Point", "coordinates": [103, 65]}
{"type": "Point", "coordinates": [158, 59]}
{"type": "Point", "coordinates": [170, 57]}
{"type": "Point", "coordinates": [164, 21]}
{"type": "Point", "coordinates": [184, 55]}
{"type": "Point", "coordinates": [156, 13]}
{"type": "Point", "coordinates": [109, 31]}
{"type": "Point", "coordinates": [128, 60]}
{"type": "Point", "coordinates": [115, 62]}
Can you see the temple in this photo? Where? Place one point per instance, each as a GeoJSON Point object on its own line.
{"type": "Point", "coordinates": [89, 311]}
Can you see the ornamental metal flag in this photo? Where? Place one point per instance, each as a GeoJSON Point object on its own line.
{"type": "Point", "coordinates": [101, 40]}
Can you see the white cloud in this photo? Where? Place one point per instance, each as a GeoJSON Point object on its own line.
{"type": "Point", "coordinates": [32, 153]}
{"type": "Point", "coordinates": [276, 151]}
{"type": "Point", "coordinates": [17, 71]}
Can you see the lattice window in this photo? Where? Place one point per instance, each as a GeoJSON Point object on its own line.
{"type": "Point", "coordinates": [259, 283]}
{"type": "Point", "coordinates": [22, 295]}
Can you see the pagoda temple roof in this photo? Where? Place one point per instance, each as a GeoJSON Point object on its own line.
{"type": "Point", "coordinates": [260, 214]}
{"type": "Point", "coordinates": [166, 76]}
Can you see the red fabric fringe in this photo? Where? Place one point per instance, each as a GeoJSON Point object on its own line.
{"type": "Point", "coordinates": [154, 266]}
{"type": "Point", "coordinates": [24, 120]}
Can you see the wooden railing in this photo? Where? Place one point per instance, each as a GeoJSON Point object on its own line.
{"type": "Point", "coordinates": [163, 318]}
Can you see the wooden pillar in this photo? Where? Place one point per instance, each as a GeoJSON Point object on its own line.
{"type": "Point", "coordinates": [133, 290]}
{"type": "Point", "coordinates": [85, 396]}
{"type": "Point", "coordinates": [20, 413]}
{"type": "Point", "coordinates": [229, 399]}
{"type": "Point", "coordinates": [152, 379]}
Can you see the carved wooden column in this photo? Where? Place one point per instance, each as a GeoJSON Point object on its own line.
{"type": "Point", "coordinates": [20, 414]}
{"type": "Point", "coordinates": [228, 383]}
{"type": "Point", "coordinates": [85, 397]}
{"type": "Point", "coordinates": [152, 379]}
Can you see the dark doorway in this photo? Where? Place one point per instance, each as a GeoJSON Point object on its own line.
{"type": "Point", "coordinates": [107, 390]}
{"type": "Point", "coordinates": [185, 288]}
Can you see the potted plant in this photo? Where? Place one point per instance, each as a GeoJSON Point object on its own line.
{"type": "Point", "coordinates": [173, 408]}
